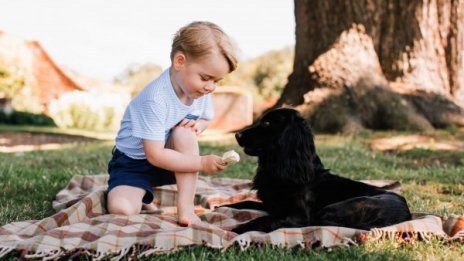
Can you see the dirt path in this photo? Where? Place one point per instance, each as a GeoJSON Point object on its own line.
{"type": "Point", "coordinates": [27, 141]}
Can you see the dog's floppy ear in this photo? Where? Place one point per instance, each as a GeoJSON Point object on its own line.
{"type": "Point", "coordinates": [305, 134]}
{"type": "Point", "coordinates": [297, 135]}
{"type": "Point", "coordinates": [297, 144]}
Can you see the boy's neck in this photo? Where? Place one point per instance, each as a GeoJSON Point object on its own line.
{"type": "Point", "coordinates": [178, 90]}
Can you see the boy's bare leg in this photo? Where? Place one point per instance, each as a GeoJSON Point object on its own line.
{"type": "Point", "coordinates": [125, 200]}
{"type": "Point", "coordinates": [185, 140]}
{"type": "Point", "coordinates": [186, 186]}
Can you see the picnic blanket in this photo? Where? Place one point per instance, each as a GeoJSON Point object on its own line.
{"type": "Point", "coordinates": [82, 226]}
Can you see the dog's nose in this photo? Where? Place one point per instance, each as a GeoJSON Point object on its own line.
{"type": "Point", "coordinates": [238, 135]}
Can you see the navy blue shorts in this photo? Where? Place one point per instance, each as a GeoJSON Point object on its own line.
{"type": "Point", "coordinates": [124, 170]}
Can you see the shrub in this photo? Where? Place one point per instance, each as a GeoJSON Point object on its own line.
{"type": "Point", "coordinates": [11, 81]}
{"type": "Point", "coordinates": [25, 118]}
{"type": "Point", "coordinates": [84, 110]}
{"type": "Point", "coordinates": [27, 102]}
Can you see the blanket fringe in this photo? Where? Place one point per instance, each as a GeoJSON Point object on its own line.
{"type": "Point", "coordinates": [52, 256]}
{"type": "Point", "coordinates": [5, 250]}
{"type": "Point", "coordinates": [112, 255]}
{"type": "Point", "coordinates": [457, 237]}
{"type": "Point", "coordinates": [154, 250]}
{"type": "Point", "coordinates": [244, 243]}
{"type": "Point", "coordinates": [138, 251]}
{"type": "Point", "coordinates": [405, 237]}
{"type": "Point", "coordinates": [301, 244]}
{"type": "Point", "coordinates": [46, 255]}
{"type": "Point", "coordinates": [346, 241]}
{"type": "Point", "coordinates": [122, 253]}
{"type": "Point", "coordinates": [100, 255]}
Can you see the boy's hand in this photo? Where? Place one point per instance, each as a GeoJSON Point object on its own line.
{"type": "Point", "coordinates": [187, 123]}
{"type": "Point", "coordinates": [211, 164]}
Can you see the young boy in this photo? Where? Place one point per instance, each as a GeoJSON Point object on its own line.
{"type": "Point", "coordinates": [157, 143]}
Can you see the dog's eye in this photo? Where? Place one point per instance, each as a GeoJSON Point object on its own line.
{"type": "Point", "coordinates": [265, 124]}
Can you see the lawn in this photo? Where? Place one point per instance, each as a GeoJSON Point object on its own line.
{"type": "Point", "coordinates": [432, 182]}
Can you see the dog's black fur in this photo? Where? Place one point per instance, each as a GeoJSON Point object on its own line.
{"type": "Point", "coordinates": [295, 188]}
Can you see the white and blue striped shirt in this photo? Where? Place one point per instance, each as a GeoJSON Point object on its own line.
{"type": "Point", "coordinates": [154, 112]}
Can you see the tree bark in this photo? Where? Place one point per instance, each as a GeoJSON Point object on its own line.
{"type": "Point", "coordinates": [347, 53]}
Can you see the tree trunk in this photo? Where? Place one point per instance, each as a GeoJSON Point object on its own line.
{"type": "Point", "coordinates": [378, 64]}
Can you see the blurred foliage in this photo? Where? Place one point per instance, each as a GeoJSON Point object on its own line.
{"type": "Point", "coordinates": [14, 88]}
{"type": "Point", "coordinates": [25, 118]}
{"type": "Point", "coordinates": [138, 76]}
{"type": "Point", "coordinates": [83, 110]}
{"type": "Point", "coordinates": [27, 103]}
{"type": "Point", "coordinates": [82, 116]}
{"type": "Point", "coordinates": [265, 76]}
{"type": "Point", "coordinates": [11, 82]}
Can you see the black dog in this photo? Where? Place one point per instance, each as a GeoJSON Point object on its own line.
{"type": "Point", "coordinates": [295, 188]}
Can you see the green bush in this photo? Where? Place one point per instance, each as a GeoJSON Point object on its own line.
{"type": "Point", "coordinates": [11, 81]}
{"type": "Point", "coordinates": [265, 76]}
{"type": "Point", "coordinates": [102, 111]}
{"type": "Point", "coordinates": [82, 116]}
{"type": "Point", "coordinates": [26, 118]}
{"type": "Point", "coordinates": [27, 102]}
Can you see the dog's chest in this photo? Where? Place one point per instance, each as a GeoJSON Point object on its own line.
{"type": "Point", "coordinates": [284, 195]}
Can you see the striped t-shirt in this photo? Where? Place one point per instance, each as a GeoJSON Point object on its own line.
{"type": "Point", "coordinates": [154, 112]}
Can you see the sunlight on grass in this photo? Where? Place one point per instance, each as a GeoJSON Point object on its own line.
{"type": "Point", "coordinates": [432, 182]}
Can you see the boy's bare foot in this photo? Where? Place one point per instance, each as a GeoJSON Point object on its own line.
{"type": "Point", "coordinates": [151, 209]}
{"type": "Point", "coordinates": [187, 217]}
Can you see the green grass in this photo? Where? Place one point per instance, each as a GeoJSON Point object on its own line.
{"type": "Point", "coordinates": [432, 182]}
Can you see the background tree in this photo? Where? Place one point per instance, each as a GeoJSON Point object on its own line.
{"type": "Point", "coordinates": [378, 64]}
{"type": "Point", "coordinates": [137, 76]}
{"type": "Point", "coordinates": [10, 83]}
{"type": "Point", "coordinates": [265, 75]}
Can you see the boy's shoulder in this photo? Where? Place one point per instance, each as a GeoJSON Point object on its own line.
{"type": "Point", "coordinates": [161, 80]}
{"type": "Point", "coordinates": [157, 87]}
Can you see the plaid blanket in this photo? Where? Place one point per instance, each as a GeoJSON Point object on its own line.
{"type": "Point", "coordinates": [82, 226]}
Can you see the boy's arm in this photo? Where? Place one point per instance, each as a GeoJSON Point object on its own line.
{"type": "Point", "coordinates": [170, 159]}
{"type": "Point", "coordinates": [175, 161]}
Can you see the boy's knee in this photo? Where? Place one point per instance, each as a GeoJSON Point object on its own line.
{"type": "Point", "coordinates": [183, 133]}
{"type": "Point", "coordinates": [184, 139]}
{"type": "Point", "coordinates": [123, 206]}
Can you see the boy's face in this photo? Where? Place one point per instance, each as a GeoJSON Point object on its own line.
{"type": "Point", "coordinates": [197, 77]}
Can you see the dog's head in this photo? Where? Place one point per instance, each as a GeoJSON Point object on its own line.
{"type": "Point", "coordinates": [284, 144]}
{"type": "Point", "coordinates": [277, 130]}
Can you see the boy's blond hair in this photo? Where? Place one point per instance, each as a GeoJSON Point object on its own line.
{"type": "Point", "coordinates": [198, 39]}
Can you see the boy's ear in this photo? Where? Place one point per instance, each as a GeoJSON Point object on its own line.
{"type": "Point", "coordinates": [179, 60]}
